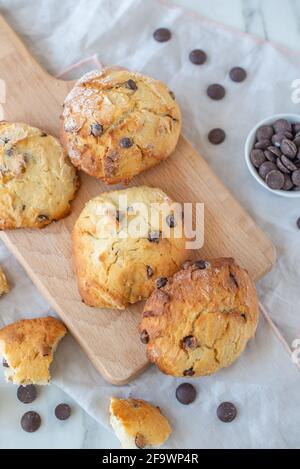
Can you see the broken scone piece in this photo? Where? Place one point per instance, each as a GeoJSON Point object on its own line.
{"type": "Point", "coordinates": [4, 288]}
{"type": "Point", "coordinates": [138, 424]}
{"type": "Point", "coordinates": [27, 348]}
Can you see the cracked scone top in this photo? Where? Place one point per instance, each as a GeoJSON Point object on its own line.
{"type": "Point", "coordinates": [201, 320]}
{"type": "Point", "coordinates": [114, 271]}
{"type": "Point", "coordinates": [117, 123]}
{"type": "Point", "coordinates": [37, 180]}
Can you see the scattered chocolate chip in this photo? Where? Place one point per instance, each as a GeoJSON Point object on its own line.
{"type": "Point", "coordinates": [296, 177]}
{"type": "Point", "coordinates": [226, 412]}
{"type": "Point", "coordinates": [144, 337]}
{"type": "Point", "coordinates": [198, 57]}
{"type": "Point", "coordinates": [42, 217]}
{"type": "Point", "coordinates": [288, 148]}
{"type": "Point", "coordinates": [5, 364]}
{"type": "Point", "coordinates": [96, 130]}
{"type": "Point", "coordinates": [265, 168]}
{"type": "Point", "coordinates": [190, 342]}
{"type": "Point", "coordinates": [281, 166]}
{"type": "Point", "coordinates": [257, 157]}
{"type": "Point", "coordinates": [216, 136]}
{"type": "Point", "coordinates": [162, 35]}
{"type": "Point", "coordinates": [288, 163]}
{"type": "Point", "coordinates": [265, 132]}
{"type": "Point", "coordinates": [186, 393]}
{"type": "Point", "coordinates": [154, 236]}
{"type": "Point", "coordinates": [140, 441]}
{"type": "Point", "coordinates": [149, 271]}
{"type": "Point", "coordinates": [31, 421]}
{"type": "Point", "coordinates": [238, 74]}
{"type": "Point", "coordinates": [62, 411]}
{"type": "Point", "coordinates": [288, 184]}
{"type": "Point", "coordinates": [131, 84]}
{"type": "Point", "coordinates": [263, 144]}
{"type": "Point", "coordinates": [282, 125]}
{"type": "Point", "coordinates": [126, 142]}
{"type": "Point", "coordinates": [201, 264]}
{"type": "Point", "coordinates": [161, 282]}
{"type": "Point", "coordinates": [216, 92]}
{"type": "Point", "coordinates": [275, 180]}
{"type": "Point", "coordinates": [27, 394]}
{"type": "Point", "coordinates": [189, 372]}
{"type": "Point", "coordinates": [298, 223]}
{"type": "Point", "coordinates": [171, 221]}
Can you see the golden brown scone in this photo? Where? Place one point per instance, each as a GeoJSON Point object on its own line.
{"type": "Point", "coordinates": [113, 272]}
{"type": "Point", "coordinates": [27, 347]}
{"type": "Point", "coordinates": [4, 287]}
{"type": "Point", "coordinates": [201, 320]}
{"type": "Point", "coordinates": [138, 424]}
{"type": "Point", "coordinates": [37, 180]}
{"type": "Point", "coordinates": [117, 123]}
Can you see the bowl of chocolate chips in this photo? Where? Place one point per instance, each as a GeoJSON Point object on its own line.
{"type": "Point", "coordinates": [272, 153]}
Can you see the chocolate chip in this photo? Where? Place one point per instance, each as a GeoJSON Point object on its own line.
{"type": "Point", "coordinates": [198, 57]}
{"type": "Point", "coordinates": [297, 139]}
{"type": "Point", "coordinates": [238, 74]}
{"type": "Point", "coordinates": [189, 372]}
{"type": "Point", "coordinates": [257, 157]}
{"type": "Point", "coordinates": [281, 166]}
{"type": "Point", "coordinates": [263, 144]}
{"type": "Point", "coordinates": [42, 217]}
{"type": "Point", "coordinates": [296, 128]}
{"type": "Point", "coordinates": [27, 394]}
{"type": "Point", "coordinates": [282, 125]}
{"type": "Point", "coordinates": [43, 134]}
{"type": "Point", "coordinates": [149, 271]}
{"type": "Point", "coordinates": [265, 168]}
{"type": "Point", "coordinates": [275, 180]}
{"type": "Point", "coordinates": [265, 132]}
{"type": "Point", "coordinates": [275, 150]}
{"type": "Point", "coordinates": [190, 342]}
{"type": "Point", "coordinates": [288, 148]}
{"type": "Point", "coordinates": [288, 163]}
{"type": "Point", "coordinates": [154, 236]}
{"type": "Point", "coordinates": [171, 221]}
{"type": "Point", "coordinates": [161, 282]}
{"type": "Point", "coordinates": [186, 393]}
{"type": "Point", "coordinates": [296, 177]}
{"type": "Point", "coordinates": [62, 411]}
{"type": "Point", "coordinates": [96, 130]}
{"type": "Point", "coordinates": [131, 84]}
{"type": "Point", "coordinates": [5, 364]}
{"type": "Point", "coordinates": [9, 152]}
{"type": "Point", "coordinates": [216, 92]}
{"type": "Point", "coordinates": [201, 264]}
{"type": "Point", "coordinates": [226, 412]}
{"type": "Point", "coordinates": [287, 183]}
{"type": "Point", "coordinates": [140, 441]}
{"type": "Point", "coordinates": [270, 155]}
{"type": "Point", "coordinates": [216, 136]}
{"type": "Point", "coordinates": [119, 216]}
{"type": "Point", "coordinates": [144, 337]}
{"type": "Point", "coordinates": [126, 142]}
{"type": "Point", "coordinates": [298, 223]}
{"type": "Point", "coordinates": [162, 35]}
{"type": "Point", "coordinates": [31, 421]}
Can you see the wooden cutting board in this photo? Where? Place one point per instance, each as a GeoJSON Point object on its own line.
{"type": "Point", "coordinates": [109, 337]}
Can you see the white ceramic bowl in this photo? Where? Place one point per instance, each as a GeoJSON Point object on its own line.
{"type": "Point", "coordinates": [293, 118]}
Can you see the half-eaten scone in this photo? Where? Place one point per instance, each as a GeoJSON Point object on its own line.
{"type": "Point", "coordinates": [27, 348]}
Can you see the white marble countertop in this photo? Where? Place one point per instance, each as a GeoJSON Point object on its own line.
{"type": "Point", "coordinates": [271, 19]}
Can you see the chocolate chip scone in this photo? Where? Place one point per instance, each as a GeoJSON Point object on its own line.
{"type": "Point", "coordinates": [117, 123]}
{"type": "Point", "coordinates": [37, 180]}
{"type": "Point", "coordinates": [116, 265]}
{"type": "Point", "coordinates": [27, 347]}
{"type": "Point", "coordinates": [202, 319]}
{"type": "Point", "coordinates": [138, 424]}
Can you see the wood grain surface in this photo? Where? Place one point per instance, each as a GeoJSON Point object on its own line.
{"type": "Point", "coordinates": [109, 337]}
